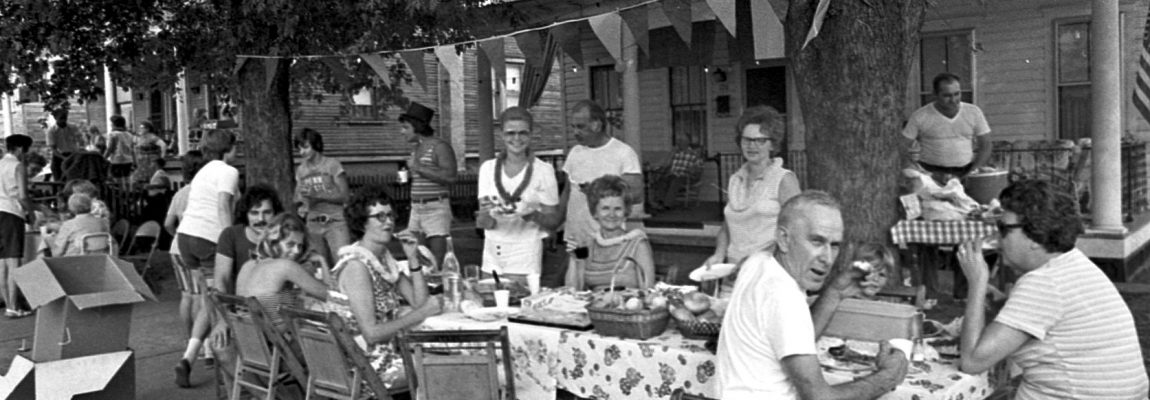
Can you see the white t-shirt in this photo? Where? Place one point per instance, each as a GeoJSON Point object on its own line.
{"type": "Point", "coordinates": [946, 142]}
{"type": "Point", "coordinates": [766, 321]}
{"type": "Point", "coordinates": [202, 215]}
{"type": "Point", "coordinates": [541, 190]}
{"type": "Point", "coordinates": [9, 186]}
{"type": "Point", "coordinates": [583, 165]}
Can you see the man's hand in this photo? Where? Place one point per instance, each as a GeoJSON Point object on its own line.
{"type": "Point", "coordinates": [973, 264]}
{"type": "Point", "coordinates": [714, 259]}
{"type": "Point", "coordinates": [892, 365]}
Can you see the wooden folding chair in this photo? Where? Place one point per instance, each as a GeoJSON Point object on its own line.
{"type": "Point", "coordinates": [448, 365]}
{"type": "Point", "coordinates": [337, 368]}
{"type": "Point", "coordinates": [265, 363]}
{"type": "Point", "coordinates": [96, 243]}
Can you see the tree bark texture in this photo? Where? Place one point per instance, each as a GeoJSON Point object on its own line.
{"type": "Point", "coordinates": [265, 114]}
{"type": "Point", "coordinates": [852, 82]}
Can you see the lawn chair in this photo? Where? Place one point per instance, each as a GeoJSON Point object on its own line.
{"type": "Point", "coordinates": [262, 365]}
{"type": "Point", "coordinates": [337, 368]}
{"type": "Point", "coordinates": [448, 365]}
{"type": "Point", "coordinates": [142, 260]}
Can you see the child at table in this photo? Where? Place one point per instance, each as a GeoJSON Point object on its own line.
{"type": "Point", "coordinates": [877, 261]}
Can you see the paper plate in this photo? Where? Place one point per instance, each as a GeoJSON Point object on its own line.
{"type": "Point", "coordinates": [490, 314]}
{"type": "Point", "coordinates": [715, 272]}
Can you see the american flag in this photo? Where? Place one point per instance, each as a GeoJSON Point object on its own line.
{"type": "Point", "coordinates": [1142, 88]}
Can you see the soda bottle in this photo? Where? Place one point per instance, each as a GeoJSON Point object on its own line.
{"type": "Point", "coordinates": [452, 290]}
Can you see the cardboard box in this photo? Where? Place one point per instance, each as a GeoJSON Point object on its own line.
{"type": "Point", "coordinates": [84, 304]}
{"type": "Point", "coordinates": [109, 376]}
{"type": "Point", "coordinates": [874, 321]}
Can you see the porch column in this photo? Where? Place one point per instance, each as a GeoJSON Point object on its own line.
{"type": "Point", "coordinates": [109, 100]}
{"type": "Point", "coordinates": [486, 132]}
{"type": "Point", "coordinates": [182, 114]}
{"type": "Point", "coordinates": [9, 129]}
{"type": "Point", "coordinates": [632, 130]}
{"type": "Point", "coordinates": [1106, 121]}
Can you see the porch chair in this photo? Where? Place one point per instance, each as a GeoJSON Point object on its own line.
{"type": "Point", "coordinates": [337, 368]}
{"type": "Point", "coordinates": [449, 365]}
{"type": "Point", "coordinates": [96, 243]}
{"type": "Point", "coordinates": [262, 365]}
{"type": "Point", "coordinates": [680, 394]}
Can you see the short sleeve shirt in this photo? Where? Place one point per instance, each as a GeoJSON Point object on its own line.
{"type": "Point", "coordinates": [234, 244]}
{"type": "Point", "coordinates": [583, 165]}
{"type": "Point", "coordinates": [320, 178]}
{"type": "Point", "coordinates": [767, 320]}
{"type": "Point", "coordinates": [67, 139]}
{"type": "Point", "coordinates": [946, 142]}
{"type": "Point", "coordinates": [1083, 342]}
{"type": "Point", "coordinates": [542, 189]}
{"type": "Point", "coordinates": [10, 186]}
{"type": "Point", "coordinates": [201, 216]}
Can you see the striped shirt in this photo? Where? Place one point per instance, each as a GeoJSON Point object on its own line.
{"type": "Point", "coordinates": [423, 188]}
{"type": "Point", "coordinates": [1083, 343]}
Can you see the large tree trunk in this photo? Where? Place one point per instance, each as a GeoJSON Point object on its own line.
{"type": "Point", "coordinates": [852, 83]}
{"type": "Point", "coordinates": [265, 113]}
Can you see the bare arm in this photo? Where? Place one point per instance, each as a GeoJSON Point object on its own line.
{"type": "Point", "coordinates": [223, 273]}
{"type": "Point", "coordinates": [445, 172]}
{"type": "Point", "coordinates": [804, 371]}
{"type": "Point", "coordinates": [355, 282]}
{"type": "Point", "coordinates": [564, 197]}
{"type": "Point", "coordinates": [226, 207]}
{"type": "Point", "coordinates": [646, 261]}
{"type": "Point", "coordinates": [171, 222]}
{"type": "Point", "coordinates": [788, 187]}
{"type": "Point", "coordinates": [984, 147]}
{"type": "Point", "coordinates": [722, 240]}
{"type": "Point", "coordinates": [982, 346]}
{"type": "Point", "coordinates": [296, 274]}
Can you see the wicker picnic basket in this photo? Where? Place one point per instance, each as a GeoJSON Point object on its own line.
{"type": "Point", "coordinates": [699, 330]}
{"type": "Point", "coordinates": [630, 324]}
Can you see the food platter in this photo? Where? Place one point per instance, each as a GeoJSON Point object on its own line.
{"type": "Point", "coordinates": [716, 271]}
{"type": "Point", "coordinates": [490, 314]}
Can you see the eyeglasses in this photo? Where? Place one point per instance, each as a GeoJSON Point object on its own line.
{"type": "Point", "coordinates": [1004, 228]}
{"type": "Point", "coordinates": [579, 126]}
{"type": "Point", "coordinates": [383, 217]}
{"type": "Point", "coordinates": [759, 141]}
{"type": "Point", "coordinates": [517, 133]}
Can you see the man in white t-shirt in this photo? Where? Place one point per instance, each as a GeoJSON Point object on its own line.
{"type": "Point", "coordinates": [767, 344]}
{"type": "Point", "coordinates": [949, 136]}
{"type": "Point", "coordinates": [519, 202]}
{"type": "Point", "coordinates": [597, 154]}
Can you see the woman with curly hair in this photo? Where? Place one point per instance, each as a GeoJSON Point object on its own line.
{"type": "Point", "coordinates": [615, 254]}
{"type": "Point", "coordinates": [1064, 324]}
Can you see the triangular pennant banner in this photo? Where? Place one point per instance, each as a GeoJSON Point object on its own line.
{"type": "Point", "coordinates": [531, 45]}
{"type": "Point", "coordinates": [493, 48]}
{"type": "Point", "coordinates": [636, 19]}
{"type": "Point", "coordinates": [270, 66]}
{"type": "Point", "coordinates": [375, 61]}
{"type": "Point", "coordinates": [568, 37]}
{"type": "Point", "coordinates": [239, 65]}
{"type": "Point", "coordinates": [724, 12]}
{"type": "Point", "coordinates": [451, 60]}
{"type": "Point", "coordinates": [414, 61]}
{"type": "Point", "coordinates": [679, 13]}
{"type": "Point", "coordinates": [607, 28]}
{"type": "Point", "coordinates": [820, 15]}
{"type": "Point", "coordinates": [768, 31]}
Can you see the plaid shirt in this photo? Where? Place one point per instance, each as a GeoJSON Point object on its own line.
{"type": "Point", "coordinates": [685, 162]}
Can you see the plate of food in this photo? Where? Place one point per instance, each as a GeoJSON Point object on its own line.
{"type": "Point", "coordinates": [715, 271]}
{"type": "Point", "coordinates": [490, 314]}
{"type": "Point", "coordinates": [846, 358]}
{"type": "Point", "coordinates": [501, 207]}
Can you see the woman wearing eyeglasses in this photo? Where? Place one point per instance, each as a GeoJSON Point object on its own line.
{"type": "Point", "coordinates": [376, 284]}
{"type": "Point", "coordinates": [755, 192]}
{"type": "Point", "coordinates": [518, 203]}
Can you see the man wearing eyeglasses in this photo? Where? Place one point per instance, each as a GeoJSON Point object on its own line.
{"type": "Point", "coordinates": [949, 136]}
{"type": "Point", "coordinates": [596, 154]}
{"type": "Point", "coordinates": [1064, 324]}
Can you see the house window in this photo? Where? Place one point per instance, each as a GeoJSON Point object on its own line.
{"type": "Point", "coordinates": [1072, 78]}
{"type": "Point", "coordinates": [946, 52]}
{"type": "Point", "coordinates": [364, 105]}
{"type": "Point", "coordinates": [688, 106]}
{"type": "Point", "coordinates": [509, 95]}
{"type": "Point", "coordinates": [607, 88]}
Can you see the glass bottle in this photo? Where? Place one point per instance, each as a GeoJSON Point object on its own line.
{"type": "Point", "coordinates": [452, 289]}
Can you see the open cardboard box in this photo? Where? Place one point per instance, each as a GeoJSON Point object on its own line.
{"type": "Point", "coordinates": [105, 376]}
{"type": "Point", "coordinates": [84, 304]}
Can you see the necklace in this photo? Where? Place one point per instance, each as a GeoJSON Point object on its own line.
{"type": "Point", "coordinates": [511, 198]}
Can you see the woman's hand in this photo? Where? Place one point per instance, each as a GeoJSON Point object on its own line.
{"type": "Point", "coordinates": [410, 245]}
{"type": "Point", "coordinates": [714, 259]}
{"type": "Point", "coordinates": [973, 264]}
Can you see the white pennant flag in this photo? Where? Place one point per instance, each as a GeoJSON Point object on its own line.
{"type": "Point", "coordinates": [608, 28]}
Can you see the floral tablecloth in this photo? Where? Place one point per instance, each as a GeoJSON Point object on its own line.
{"type": "Point", "coordinates": [605, 368]}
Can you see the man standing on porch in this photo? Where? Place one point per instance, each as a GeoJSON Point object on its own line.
{"type": "Point", "coordinates": [595, 155]}
{"type": "Point", "coordinates": [950, 136]}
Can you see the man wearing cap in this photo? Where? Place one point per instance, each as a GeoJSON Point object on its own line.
{"type": "Point", "coordinates": [432, 168]}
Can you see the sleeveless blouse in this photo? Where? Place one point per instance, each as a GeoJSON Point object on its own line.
{"type": "Point", "coordinates": [752, 215]}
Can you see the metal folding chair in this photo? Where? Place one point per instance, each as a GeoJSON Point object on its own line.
{"type": "Point", "coordinates": [96, 243]}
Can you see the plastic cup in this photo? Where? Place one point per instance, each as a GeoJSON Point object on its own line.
{"type": "Point", "coordinates": [502, 298]}
{"type": "Point", "coordinates": [905, 345]}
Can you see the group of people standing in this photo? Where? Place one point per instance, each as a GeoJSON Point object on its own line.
{"type": "Point", "coordinates": [130, 157]}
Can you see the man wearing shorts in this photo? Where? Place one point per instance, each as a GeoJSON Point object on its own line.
{"type": "Point", "coordinates": [432, 166]}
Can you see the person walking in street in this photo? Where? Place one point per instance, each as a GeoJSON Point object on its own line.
{"type": "Point", "coordinates": [321, 187]}
{"type": "Point", "coordinates": [432, 165]}
{"type": "Point", "coordinates": [15, 211]}
{"type": "Point", "coordinates": [63, 140]}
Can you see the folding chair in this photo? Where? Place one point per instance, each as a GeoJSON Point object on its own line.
{"type": "Point", "coordinates": [96, 243]}
{"type": "Point", "coordinates": [448, 365]}
{"type": "Point", "coordinates": [337, 368]}
{"type": "Point", "coordinates": [680, 394]}
{"type": "Point", "coordinates": [143, 260]}
{"type": "Point", "coordinates": [262, 360]}
{"type": "Point", "coordinates": [120, 231]}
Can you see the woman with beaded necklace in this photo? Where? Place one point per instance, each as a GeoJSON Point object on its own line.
{"type": "Point", "coordinates": [519, 202]}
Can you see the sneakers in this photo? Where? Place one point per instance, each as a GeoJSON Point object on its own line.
{"type": "Point", "coordinates": [183, 370]}
{"type": "Point", "coordinates": [10, 313]}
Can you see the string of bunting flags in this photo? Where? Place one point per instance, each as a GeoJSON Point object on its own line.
{"type": "Point", "coordinates": [762, 17]}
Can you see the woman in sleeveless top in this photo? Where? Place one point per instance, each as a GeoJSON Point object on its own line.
{"type": "Point", "coordinates": [756, 192]}
{"type": "Point", "coordinates": [617, 257]}
{"type": "Point", "coordinates": [274, 276]}
{"type": "Point", "coordinates": [148, 147]}
{"type": "Point", "coordinates": [376, 285]}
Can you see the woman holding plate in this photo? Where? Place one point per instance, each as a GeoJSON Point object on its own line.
{"type": "Point", "coordinates": [756, 192]}
{"type": "Point", "coordinates": [518, 203]}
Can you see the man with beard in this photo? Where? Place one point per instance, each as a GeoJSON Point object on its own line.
{"type": "Point", "coordinates": [256, 207]}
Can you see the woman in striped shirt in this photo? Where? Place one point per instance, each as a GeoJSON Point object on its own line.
{"type": "Point", "coordinates": [1064, 324]}
{"type": "Point", "coordinates": [432, 166]}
